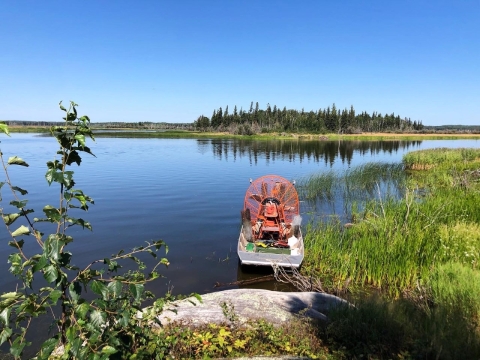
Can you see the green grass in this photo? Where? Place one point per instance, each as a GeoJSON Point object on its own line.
{"type": "Point", "coordinates": [443, 158]}
{"type": "Point", "coordinates": [29, 129]}
{"type": "Point", "coordinates": [268, 135]}
{"type": "Point", "coordinates": [419, 248]}
{"type": "Point", "coordinates": [396, 240]}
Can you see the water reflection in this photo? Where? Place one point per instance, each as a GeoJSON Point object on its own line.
{"type": "Point", "coordinates": [300, 150]}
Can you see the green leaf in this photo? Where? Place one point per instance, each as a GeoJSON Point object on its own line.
{"type": "Point", "coordinates": [16, 262]}
{"type": "Point", "coordinates": [47, 348]}
{"type": "Point", "coordinates": [50, 273]}
{"type": "Point", "coordinates": [20, 190]}
{"type": "Point", "coordinates": [17, 347]}
{"type": "Point", "coordinates": [53, 246]}
{"type": "Point", "coordinates": [16, 244]}
{"type": "Point", "coordinates": [82, 310]}
{"type": "Point", "coordinates": [11, 295]}
{"type": "Point", "coordinates": [112, 265]}
{"type": "Point", "coordinates": [65, 178]}
{"type": "Point", "coordinates": [99, 288]}
{"type": "Point", "coordinates": [71, 117]}
{"type": "Point", "coordinates": [86, 149]}
{"type": "Point", "coordinates": [71, 334]}
{"type": "Point", "coordinates": [64, 260]}
{"type": "Point", "coordinates": [28, 278]}
{"type": "Point", "coordinates": [4, 128]}
{"type": "Point", "coordinates": [40, 265]}
{"type": "Point", "coordinates": [55, 295]}
{"type": "Point", "coordinates": [10, 218]}
{"type": "Point", "coordinates": [22, 230]}
{"type": "Point", "coordinates": [73, 157]}
{"type": "Point", "coordinates": [84, 224]}
{"type": "Point", "coordinates": [97, 318]}
{"type": "Point", "coordinates": [115, 288]}
{"type": "Point", "coordinates": [76, 346]}
{"type": "Point", "coordinates": [19, 204]}
{"type": "Point", "coordinates": [137, 291]}
{"type": "Point", "coordinates": [75, 291]}
{"type": "Point", "coordinates": [81, 139]}
{"type": "Point", "coordinates": [54, 165]}
{"type": "Point", "coordinates": [109, 350]}
{"type": "Point", "coordinates": [52, 213]}
{"type": "Point", "coordinates": [62, 107]}
{"type": "Point", "coordinates": [5, 315]}
{"type": "Point", "coordinates": [5, 334]}
{"type": "Point", "coordinates": [15, 160]}
{"type": "Point", "coordinates": [153, 275]}
{"type": "Point", "coordinates": [53, 175]}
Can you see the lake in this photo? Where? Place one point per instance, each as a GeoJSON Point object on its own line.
{"type": "Point", "coordinates": [188, 193]}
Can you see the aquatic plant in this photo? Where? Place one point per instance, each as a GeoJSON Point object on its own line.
{"type": "Point", "coordinates": [441, 158]}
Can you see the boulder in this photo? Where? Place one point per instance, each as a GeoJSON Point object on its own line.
{"type": "Point", "coordinates": [242, 305]}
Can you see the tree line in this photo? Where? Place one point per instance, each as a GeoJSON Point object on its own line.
{"type": "Point", "coordinates": [141, 125]}
{"type": "Point", "coordinates": [329, 120]}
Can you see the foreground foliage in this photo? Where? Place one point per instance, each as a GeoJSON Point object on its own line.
{"type": "Point", "coordinates": [48, 281]}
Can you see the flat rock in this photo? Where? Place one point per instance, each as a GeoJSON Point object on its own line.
{"type": "Point", "coordinates": [242, 305]}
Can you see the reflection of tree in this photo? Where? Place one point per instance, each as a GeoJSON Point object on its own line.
{"type": "Point", "coordinates": [291, 150]}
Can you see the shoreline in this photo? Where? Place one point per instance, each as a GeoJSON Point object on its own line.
{"type": "Point", "coordinates": [182, 134]}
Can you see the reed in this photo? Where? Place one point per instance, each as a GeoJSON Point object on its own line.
{"type": "Point", "coordinates": [443, 158]}
{"type": "Point", "coordinates": [397, 238]}
{"type": "Point", "coordinates": [419, 246]}
{"type": "Point", "coordinates": [388, 247]}
{"type": "Point", "coordinates": [341, 196]}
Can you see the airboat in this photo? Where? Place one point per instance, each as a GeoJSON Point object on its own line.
{"type": "Point", "coordinates": [270, 234]}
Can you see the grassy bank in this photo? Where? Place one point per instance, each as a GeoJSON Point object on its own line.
{"type": "Point", "coordinates": [418, 247]}
{"type": "Point", "coordinates": [129, 133]}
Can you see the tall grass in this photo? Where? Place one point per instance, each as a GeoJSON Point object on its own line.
{"type": "Point", "coordinates": [341, 192]}
{"type": "Point", "coordinates": [419, 245]}
{"type": "Point", "coordinates": [354, 184]}
{"type": "Point", "coordinates": [443, 158]}
{"type": "Point", "coordinates": [390, 247]}
{"type": "Point", "coordinates": [400, 232]}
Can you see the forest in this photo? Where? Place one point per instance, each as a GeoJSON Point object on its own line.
{"type": "Point", "coordinates": [329, 120]}
{"type": "Point", "coordinates": [274, 119]}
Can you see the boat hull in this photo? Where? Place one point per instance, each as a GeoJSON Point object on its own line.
{"type": "Point", "coordinates": [258, 256]}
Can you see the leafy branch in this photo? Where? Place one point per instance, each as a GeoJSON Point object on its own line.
{"type": "Point", "coordinates": [81, 326]}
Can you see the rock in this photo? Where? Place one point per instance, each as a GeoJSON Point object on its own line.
{"type": "Point", "coordinates": [242, 305]}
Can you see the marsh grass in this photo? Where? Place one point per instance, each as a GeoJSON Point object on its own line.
{"type": "Point", "coordinates": [389, 247]}
{"type": "Point", "coordinates": [443, 158]}
{"type": "Point", "coordinates": [460, 242]}
{"type": "Point", "coordinates": [354, 184]}
{"type": "Point", "coordinates": [341, 193]}
{"type": "Point", "coordinates": [403, 226]}
{"type": "Point", "coordinates": [416, 239]}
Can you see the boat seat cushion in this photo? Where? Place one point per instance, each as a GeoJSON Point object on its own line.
{"type": "Point", "coordinates": [271, 228]}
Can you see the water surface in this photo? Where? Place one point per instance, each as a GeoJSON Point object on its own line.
{"type": "Point", "coordinates": [188, 193]}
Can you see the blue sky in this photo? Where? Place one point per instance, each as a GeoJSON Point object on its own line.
{"type": "Point", "coordinates": [175, 60]}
